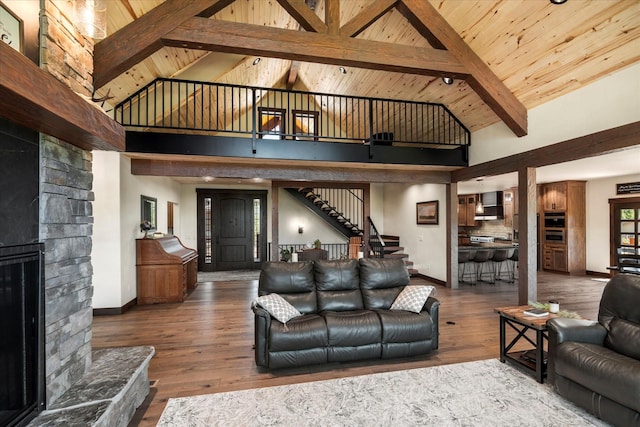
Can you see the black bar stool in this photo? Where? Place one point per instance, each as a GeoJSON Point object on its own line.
{"type": "Point", "coordinates": [514, 263]}
{"type": "Point", "coordinates": [464, 258]}
{"type": "Point", "coordinates": [481, 259]}
{"type": "Point", "coordinates": [500, 258]}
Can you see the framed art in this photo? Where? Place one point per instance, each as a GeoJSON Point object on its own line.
{"type": "Point", "coordinates": [149, 211]}
{"type": "Point", "coordinates": [11, 28]}
{"type": "Point", "coordinates": [427, 212]}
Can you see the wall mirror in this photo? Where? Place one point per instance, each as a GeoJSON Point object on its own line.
{"type": "Point", "coordinates": [149, 211]}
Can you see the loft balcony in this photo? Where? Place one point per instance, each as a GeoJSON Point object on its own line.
{"type": "Point", "coordinates": [171, 116]}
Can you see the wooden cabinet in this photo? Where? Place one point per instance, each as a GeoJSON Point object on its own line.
{"type": "Point", "coordinates": [554, 196]}
{"type": "Point", "coordinates": [509, 207]}
{"type": "Point", "coordinates": [166, 270]}
{"type": "Point", "coordinates": [555, 258]}
{"type": "Point", "coordinates": [467, 210]}
{"type": "Point", "coordinates": [567, 198]}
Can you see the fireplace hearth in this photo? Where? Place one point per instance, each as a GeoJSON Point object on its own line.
{"type": "Point", "coordinates": [22, 389]}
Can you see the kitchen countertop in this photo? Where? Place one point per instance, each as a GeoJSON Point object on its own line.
{"type": "Point", "coordinates": [494, 245]}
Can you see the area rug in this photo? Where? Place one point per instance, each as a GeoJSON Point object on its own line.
{"type": "Point", "coordinates": [226, 276]}
{"type": "Point", "coordinates": [483, 393]}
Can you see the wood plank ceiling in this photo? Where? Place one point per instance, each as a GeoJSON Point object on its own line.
{"type": "Point", "coordinates": [535, 50]}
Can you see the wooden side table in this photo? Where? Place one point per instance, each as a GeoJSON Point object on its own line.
{"type": "Point", "coordinates": [312, 254]}
{"type": "Point", "coordinates": [515, 318]}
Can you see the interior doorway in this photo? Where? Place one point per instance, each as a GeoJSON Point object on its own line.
{"type": "Point", "coordinates": [625, 228]}
{"type": "Point", "coordinates": [232, 229]}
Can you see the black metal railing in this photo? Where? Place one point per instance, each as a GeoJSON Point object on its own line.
{"type": "Point", "coordinates": [258, 112]}
{"type": "Point", "coordinates": [348, 203]}
{"type": "Point", "coordinates": [376, 242]}
{"type": "Point", "coordinates": [334, 250]}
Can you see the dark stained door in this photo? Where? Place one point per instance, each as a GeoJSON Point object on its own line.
{"type": "Point", "coordinates": [231, 229]}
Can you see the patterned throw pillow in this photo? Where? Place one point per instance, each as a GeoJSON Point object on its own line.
{"type": "Point", "coordinates": [412, 298]}
{"type": "Point", "coordinates": [277, 307]}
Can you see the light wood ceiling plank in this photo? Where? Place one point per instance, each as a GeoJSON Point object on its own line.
{"type": "Point", "coordinates": [142, 37]}
{"type": "Point", "coordinates": [480, 78]}
{"type": "Point", "coordinates": [367, 17]}
{"type": "Point", "coordinates": [305, 16]}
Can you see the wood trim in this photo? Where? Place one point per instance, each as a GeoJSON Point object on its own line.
{"type": "Point", "coordinates": [246, 39]}
{"type": "Point", "coordinates": [602, 142]}
{"type": "Point", "coordinates": [368, 16]}
{"type": "Point", "coordinates": [116, 310]}
{"type": "Point", "coordinates": [306, 17]}
{"type": "Point", "coordinates": [142, 37]}
{"type": "Point", "coordinates": [37, 100]}
{"type": "Point", "coordinates": [484, 82]}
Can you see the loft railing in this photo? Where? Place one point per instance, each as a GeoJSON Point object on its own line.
{"type": "Point", "coordinates": [256, 112]}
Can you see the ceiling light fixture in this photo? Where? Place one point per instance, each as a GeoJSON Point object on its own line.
{"type": "Point", "coordinates": [558, 1]}
{"type": "Point", "coordinates": [91, 17]}
{"type": "Point", "coordinates": [447, 80]}
{"type": "Point", "coordinates": [257, 61]}
{"type": "Point", "coordinates": [342, 70]}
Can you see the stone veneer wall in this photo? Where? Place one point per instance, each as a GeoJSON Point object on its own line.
{"type": "Point", "coordinates": [65, 211]}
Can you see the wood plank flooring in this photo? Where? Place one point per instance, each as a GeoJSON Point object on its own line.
{"type": "Point", "coordinates": [204, 345]}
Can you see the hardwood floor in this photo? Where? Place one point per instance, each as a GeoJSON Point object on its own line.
{"type": "Point", "coordinates": [204, 345]}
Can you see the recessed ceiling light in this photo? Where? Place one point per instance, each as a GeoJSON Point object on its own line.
{"type": "Point", "coordinates": [207, 178]}
{"type": "Point", "coordinates": [447, 80]}
{"type": "Point", "coordinates": [342, 70]}
{"type": "Point", "coordinates": [558, 1]}
{"type": "Point", "coordinates": [257, 61]}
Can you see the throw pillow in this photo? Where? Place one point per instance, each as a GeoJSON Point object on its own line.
{"type": "Point", "coordinates": [277, 307]}
{"type": "Point", "coordinates": [412, 298]}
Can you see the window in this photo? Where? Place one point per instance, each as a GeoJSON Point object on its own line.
{"type": "Point", "coordinates": [272, 123]}
{"type": "Point", "coordinates": [305, 125]}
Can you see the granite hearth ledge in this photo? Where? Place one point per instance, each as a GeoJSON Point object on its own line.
{"type": "Point", "coordinates": [108, 395]}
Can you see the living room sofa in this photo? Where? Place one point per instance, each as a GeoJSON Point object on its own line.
{"type": "Point", "coordinates": [344, 313]}
{"type": "Point", "coordinates": [596, 365]}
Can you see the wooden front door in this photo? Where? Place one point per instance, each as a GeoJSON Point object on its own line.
{"type": "Point", "coordinates": [231, 229]}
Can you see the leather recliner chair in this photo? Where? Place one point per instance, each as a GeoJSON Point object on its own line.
{"type": "Point", "coordinates": [596, 365]}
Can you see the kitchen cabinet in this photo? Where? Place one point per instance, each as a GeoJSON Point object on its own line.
{"type": "Point", "coordinates": [509, 207]}
{"type": "Point", "coordinates": [555, 258]}
{"type": "Point", "coordinates": [467, 210]}
{"type": "Point", "coordinates": [554, 196]}
{"type": "Point", "coordinates": [567, 255]}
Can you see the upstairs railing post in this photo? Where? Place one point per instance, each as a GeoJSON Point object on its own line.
{"type": "Point", "coordinates": [254, 119]}
{"type": "Point", "coordinates": [371, 128]}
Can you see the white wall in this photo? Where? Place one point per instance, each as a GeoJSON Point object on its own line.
{"type": "Point", "coordinates": [607, 103]}
{"type": "Point", "coordinates": [598, 225]}
{"type": "Point", "coordinates": [425, 244]}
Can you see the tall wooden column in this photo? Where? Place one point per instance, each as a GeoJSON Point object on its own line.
{"type": "Point", "coordinates": [452, 236]}
{"type": "Point", "coordinates": [528, 236]}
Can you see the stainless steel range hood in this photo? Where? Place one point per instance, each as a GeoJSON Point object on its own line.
{"type": "Point", "coordinates": [489, 206]}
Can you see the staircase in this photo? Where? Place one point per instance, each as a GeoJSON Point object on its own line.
{"type": "Point", "coordinates": [392, 249]}
{"type": "Point", "coordinates": [339, 217]}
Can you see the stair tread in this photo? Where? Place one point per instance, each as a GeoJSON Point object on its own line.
{"type": "Point", "coordinates": [396, 255]}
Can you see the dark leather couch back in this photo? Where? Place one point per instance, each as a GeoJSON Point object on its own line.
{"type": "Point", "coordinates": [619, 313]}
{"type": "Point", "coordinates": [291, 280]}
{"type": "Point", "coordinates": [338, 285]}
{"type": "Point", "coordinates": [381, 280]}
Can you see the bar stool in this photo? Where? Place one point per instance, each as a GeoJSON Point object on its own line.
{"type": "Point", "coordinates": [481, 259]}
{"type": "Point", "coordinates": [514, 263]}
{"type": "Point", "coordinates": [464, 258]}
{"type": "Point", "coordinates": [499, 258]}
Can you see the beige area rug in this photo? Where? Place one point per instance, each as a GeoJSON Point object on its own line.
{"type": "Point", "coordinates": [226, 276]}
{"type": "Point", "coordinates": [482, 393]}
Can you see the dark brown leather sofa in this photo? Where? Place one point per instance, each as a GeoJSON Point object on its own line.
{"type": "Point", "coordinates": [596, 365]}
{"type": "Point", "coordinates": [345, 314]}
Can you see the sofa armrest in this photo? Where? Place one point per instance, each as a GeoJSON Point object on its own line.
{"type": "Point", "coordinates": [563, 330]}
{"type": "Point", "coordinates": [579, 330]}
{"type": "Point", "coordinates": [432, 306]}
{"type": "Point", "coordinates": [261, 335]}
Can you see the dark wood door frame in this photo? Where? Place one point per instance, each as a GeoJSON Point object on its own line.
{"type": "Point", "coordinates": [615, 204]}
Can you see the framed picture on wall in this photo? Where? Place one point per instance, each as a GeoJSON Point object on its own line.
{"type": "Point", "coordinates": [427, 212]}
{"type": "Point", "coordinates": [11, 31]}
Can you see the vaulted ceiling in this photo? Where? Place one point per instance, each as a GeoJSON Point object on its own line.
{"type": "Point", "coordinates": [506, 56]}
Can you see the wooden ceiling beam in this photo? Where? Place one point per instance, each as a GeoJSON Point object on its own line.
{"type": "Point", "coordinates": [303, 173]}
{"type": "Point", "coordinates": [332, 16]}
{"type": "Point", "coordinates": [142, 37]}
{"type": "Point", "coordinates": [368, 16]}
{"type": "Point", "coordinates": [306, 17]}
{"type": "Point", "coordinates": [482, 80]}
{"type": "Point", "coordinates": [35, 99]}
{"type": "Point", "coordinates": [606, 141]}
{"type": "Point", "coordinates": [246, 39]}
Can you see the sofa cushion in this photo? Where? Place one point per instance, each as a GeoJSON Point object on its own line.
{"type": "Point", "coordinates": [381, 280]}
{"type": "Point", "coordinates": [611, 374]}
{"type": "Point", "coordinates": [403, 326]}
{"type": "Point", "coordinates": [277, 307]}
{"type": "Point", "coordinates": [352, 328]}
{"type": "Point", "coordinates": [412, 298]}
{"type": "Point", "coordinates": [624, 337]}
{"type": "Point", "coordinates": [293, 281]}
{"type": "Point", "coordinates": [304, 332]}
{"type": "Point", "coordinates": [337, 285]}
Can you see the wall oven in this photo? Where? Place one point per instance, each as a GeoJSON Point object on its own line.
{"type": "Point", "coordinates": [554, 236]}
{"type": "Point", "coordinates": [554, 220]}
